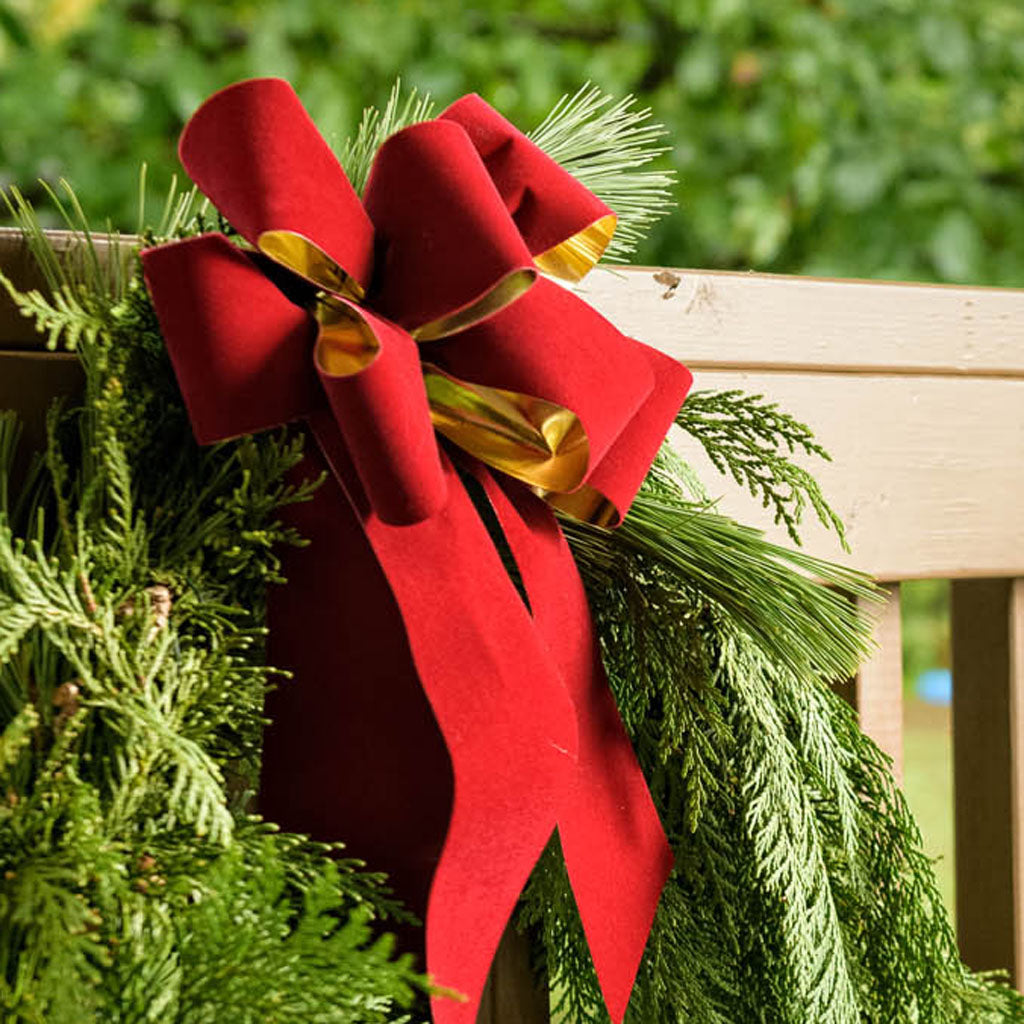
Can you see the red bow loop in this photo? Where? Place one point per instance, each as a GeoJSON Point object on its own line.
{"type": "Point", "coordinates": [370, 372]}
{"type": "Point", "coordinates": [565, 226]}
{"type": "Point", "coordinates": [248, 358]}
{"type": "Point", "coordinates": [240, 349]}
{"type": "Point", "coordinates": [255, 152]}
{"type": "Point", "coordinates": [449, 254]}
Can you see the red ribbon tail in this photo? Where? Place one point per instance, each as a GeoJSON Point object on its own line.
{"type": "Point", "coordinates": [501, 706]}
{"type": "Point", "coordinates": [615, 848]}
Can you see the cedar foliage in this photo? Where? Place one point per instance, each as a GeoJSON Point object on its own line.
{"type": "Point", "coordinates": [136, 887]}
{"type": "Point", "coordinates": [800, 890]}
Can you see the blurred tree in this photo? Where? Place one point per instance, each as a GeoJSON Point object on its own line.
{"type": "Point", "coordinates": [880, 138]}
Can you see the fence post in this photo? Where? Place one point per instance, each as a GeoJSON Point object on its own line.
{"type": "Point", "coordinates": [878, 691]}
{"type": "Point", "coordinates": [988, 759]}
{"type": "Point", "coordinates": [512, 995]}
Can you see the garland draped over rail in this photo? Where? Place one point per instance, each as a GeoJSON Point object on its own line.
{"type": "Point", "coordinates": [136, 886]}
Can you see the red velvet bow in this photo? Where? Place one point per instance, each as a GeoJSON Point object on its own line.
{"type": "Point", "coordinates": [376, 322]}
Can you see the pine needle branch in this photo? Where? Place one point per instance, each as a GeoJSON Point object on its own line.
{"type": "Point", "coordinates": [10, 438]}
{"type": "Point", "coordinates": [15, 739]}
{"type": "Point", "coordinates": [184, 212]}
{"type": "Point", "coordinates": [797, 608]}
{"type": "Point", "coordinates": [605, 143]}
{"type": "Point", "coordinates": [83, 285]}
{"type": "Point", "coordinates": [358, 152]}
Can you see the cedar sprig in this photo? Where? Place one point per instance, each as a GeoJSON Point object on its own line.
{"type": "Point", "coordinates": [751, 440]}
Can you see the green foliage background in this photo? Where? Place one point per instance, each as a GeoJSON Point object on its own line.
{"type": "Point", "coordinates": [878, 138]}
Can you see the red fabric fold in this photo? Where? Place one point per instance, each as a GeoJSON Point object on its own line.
{"type": "Point", "coordinates": [382, 412]}
{"type": "Point", "coordinates": [446, 238]}
{"type": "Point", "coordinates": [256, 153]}
{"type": "Point", "coordinates": [241, 351]}
{"type": "Point", "coordinates": [547, 203]}
{"type": "Point", "coordinates": [355, 702]}
{"type": "Point", "coordinates": [501, 705]}
{"type": "Point", "coordinates": [615, 848]}
{"type": "Point", "coordinates": [622, 469]}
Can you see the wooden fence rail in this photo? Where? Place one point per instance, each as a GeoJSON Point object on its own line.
{"type": "Point", "coordinates": [918, 393]}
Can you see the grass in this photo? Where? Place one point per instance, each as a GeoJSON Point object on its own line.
{"type": "Point", "coordinates": [928, 784]}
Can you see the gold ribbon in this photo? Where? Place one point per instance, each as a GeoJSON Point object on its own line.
{"type": "Point", "coordinates": [531, 439]}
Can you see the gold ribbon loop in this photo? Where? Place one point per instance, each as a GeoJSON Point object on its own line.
{"type": "Point", "coordinates": [345, 343]}
{"type": "Point", "coordinates": [574, 258]}
{"type": "Point", "coordinates": [533, 440]}
{"type": "Point", "coordinates": [503, 294]}
{"type": "Point", "coordinates": [305, 258]}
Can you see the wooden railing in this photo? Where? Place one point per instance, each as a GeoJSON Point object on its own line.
{"type": "Point", "coordinates": [918, 393]}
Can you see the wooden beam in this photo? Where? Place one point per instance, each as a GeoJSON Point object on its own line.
{"type": "Point", "coordinates": [29, 383]}
{"type": "Point", "coordinates": [926, 471]}
{"type": "Point", "coordinates": [879, 684]}
{"type": "Point", "coordinates": [734, 321]}
{"type": "Point", "coordinates": [988, 759]}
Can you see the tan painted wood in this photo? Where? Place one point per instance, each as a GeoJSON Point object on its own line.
{"type": "Point", "coordinates": [916, 390]}
{"type": "Point", "coordinates": [879, 684]}
{"type": "Point", "coordinates": [735, 321]}
{"type": "Point", "coordinates": [927, 471]}
{"type": "Point", "coordinates": [988, 758]}
{"type": "Point", "coordinates": [29, 383]}
{"type": "Point", "coordinates": [511, 996]}
{"type": "Point", "coordinates": [19, 266]}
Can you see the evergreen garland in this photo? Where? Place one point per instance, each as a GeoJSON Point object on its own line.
{"type": "Point", "coordinates": [136, 886]}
